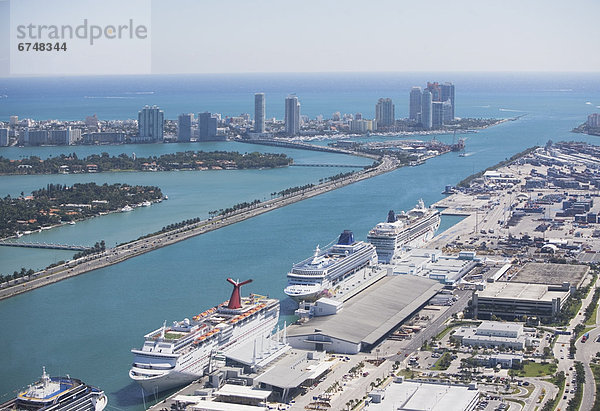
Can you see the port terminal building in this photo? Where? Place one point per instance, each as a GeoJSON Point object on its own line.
{"type": "Point", "coordinates": [367, 318]}
{"type": "Point", "coordinates": [537, 290]}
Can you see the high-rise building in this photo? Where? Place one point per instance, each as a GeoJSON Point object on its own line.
{"type": "Point", "coordinates": [384, 112]}
{"type": "Point", "coordinates": [13, 121]}
{"type": "Point", "coordinates": [36, 137]}
{"type": "Point", "coordinates": [150, 125]}
{"type": "Point", "coordinates": [66, 136]}
{"type": "Point", "coordinates": [426, 110]}
{"type": "Point", "coordinates": [359, 126]}
{"type": "Point", "coordinates": [184, 127]}
{"type": "Point", "coordinates": [448, 95]}
{"type": "Point", "coordinates": [437, 114]}
{"type": "Point", "coordinates": [292, 115]}
{"type": "Point", "coordinates": [3, 137]}
{"type": "Point", "coordinates": [435, 90]}
{"type": "Point", "coordinates": [447, 112]}
{"type": "Point", "coordinates": [358, 116]}
{"type": "Point", "coordinates": [593, 120]}
{"type": "Point", "coordinates": [207, 127]}
{"type": "Point", "coordinates": [259, 113]}
{"type": "Point", "coordinates": [414, 107]}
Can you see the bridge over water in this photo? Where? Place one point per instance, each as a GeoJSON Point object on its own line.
{"type": "Point", "coordinates": [45, 245]}
{"type": "Point", "coordinates": [328, 165]}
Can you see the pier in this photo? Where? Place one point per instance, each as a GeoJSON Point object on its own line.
{"type": "Point", "coordinates": [51, 246]}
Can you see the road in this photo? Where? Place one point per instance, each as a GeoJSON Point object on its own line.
{"type": "Point", "coordinates": [123, 252]}
{"type": "Point", "coordinates": [584, 351]}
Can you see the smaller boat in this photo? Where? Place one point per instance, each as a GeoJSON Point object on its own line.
{"type": "Point", "coordinates": [71, 222]}
{"type": "Point", "coordinates": [126, 209]}
{"type": "Point", "coordinates": [146, 204]}
{"type": "Point", "coordinates": [58, 394]}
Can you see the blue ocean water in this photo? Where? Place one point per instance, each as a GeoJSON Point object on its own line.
{"type": "Point", "coordinates": [86, 325]}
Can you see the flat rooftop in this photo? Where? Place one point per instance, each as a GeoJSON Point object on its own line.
{"type": "Point", "coordinates": [374, 312]}
{"type": "Point", "coordinates": [293, 369]}
{"type": "Point", "coordinates": [551, 274]}
{"type": "Point", "coordinates": [413, 395]}
{"type": "Point", "coordinates": [520, 291]}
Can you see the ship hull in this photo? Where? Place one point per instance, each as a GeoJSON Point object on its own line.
{"type": "Point", "coordinates": [166, 382]}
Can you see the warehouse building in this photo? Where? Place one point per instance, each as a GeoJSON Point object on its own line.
{"type": "Point", "coordinates": [367, 318]}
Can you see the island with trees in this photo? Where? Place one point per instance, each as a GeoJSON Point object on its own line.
{"type": "Point", "coordinates": [58, 204]}
{"type": "Point", "coordinates": [187, 160]}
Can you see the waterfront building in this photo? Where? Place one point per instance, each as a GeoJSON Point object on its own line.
{"type": "Point", "coordinates": [104, 137]}
{"type": "Point", "coordinates": [36, 137]}
{"type": "Point", "coordinates": [292, 115]}
{"type": "Point", "coordinates": [366, 319]}
{"type": "Point", "coordinates": [259, 113]}
{"type": "Point", "coordinates": [13, 121]}
{"type": "Point", "coordinates": [426, 110]}
{"type": "Point", "coordinates": [150, 125]}
{"type": "Point", "coordinates": [3, 137]}
{"type": "Point", "coordinates": [437, 119]}
{"type": "Point", "coordinates": [414, 108]}
{"type": "Point", "coordinates": [184, 127]}
{"type": "Point", "coordinates": [448, 95]}
{"type": "Point", "coordinates": [207, 127]}
{"type": "Point", "coordinates": [435, 90]}
{"type": "Point", "coordinates": [66, 136]}
{"type": "Point", "coordinates": [593, 120]}
{"type": "Point", "coordinates": [384, 112]}
{"type": "Point", "coordinates": [447, 112]}
{"type": "Point", "coordinates": [359, 126]}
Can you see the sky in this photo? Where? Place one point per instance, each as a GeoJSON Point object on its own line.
{"type": "Point", "coordinates": [240, 36]}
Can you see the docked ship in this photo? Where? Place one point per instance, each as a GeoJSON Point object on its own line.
{"type": "Point", "coordinates": [185, 351]}
{"type": "Point", "coordinates": [318, 275]}
{"type": "Point", "coordinates": [56, 394]}
{"type": "Point", "coordinates": [404, 230]}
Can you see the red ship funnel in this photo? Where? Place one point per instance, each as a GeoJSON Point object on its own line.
{"type": "Point", "coordinates": [236, 301]}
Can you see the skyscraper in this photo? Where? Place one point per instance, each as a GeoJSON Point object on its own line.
{"type": "Point", "coordinates": [435, 90]}
{"type": "Point", "coordinates": [207, 126]}
{"type": "Point", "coordinates": [259, 113]}
{"type": "Point", "coordinates": [448, 94]}
{"type": "Point", "coordinates": [3, 137]}
{"type": "Point", "coordinates": [426, 110]}
{"type": "Point", "coordinates": [150, 125]}
{"type": "Point", "coordinates": [437, 114]}
{"type": "Point", "coordinates": [292, 115]}
{"type": "Point", "coordinates": [384, 112]}
{"type": "Point", "coordinates": [414, 108]}
{"type": "Point", "coordinates": [184, 127]}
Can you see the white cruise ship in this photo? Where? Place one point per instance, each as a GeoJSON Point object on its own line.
{"type": "Point", "coordinates": [57, 394]}
{"type": "Point", "coordinates": [318, 275]}
{"type": "Point", "coordinates": [412, 229]}
{"type": "Point", "coordinates": [179, 354]}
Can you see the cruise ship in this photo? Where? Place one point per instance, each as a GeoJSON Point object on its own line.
{"type": "Point", "coordinates": [56, 394]}
{"type": "Point", "coordinates": [183, 352]}
{"type": "Point", "coordinates": [318, 275]}
{"type": "Point", "coordinates": [412, 229]}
